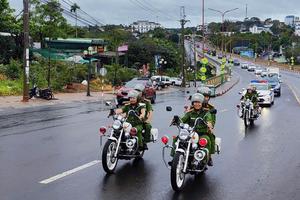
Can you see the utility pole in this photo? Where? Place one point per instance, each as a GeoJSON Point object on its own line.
{"type": "Point", "coordinates": [203, 29]}
{"type": "Point", "coordinates": [26, 50]}
{"type": "Point", "coordinates": [183, 21]}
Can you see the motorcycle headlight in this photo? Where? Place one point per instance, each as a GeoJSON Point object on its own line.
{"type": "Point", "coordinates": [116, 125]}
{"type": "Point", "coordinates": [127, 127]}
{"type": "Point", "coordinates": [183, 135]}
{"type": "Point", "coordinates": [199, 155]}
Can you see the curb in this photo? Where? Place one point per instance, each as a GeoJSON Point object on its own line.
{"type": "Point", "coordinates": [226, 90]}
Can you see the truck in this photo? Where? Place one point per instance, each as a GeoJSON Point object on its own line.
{"type": "Point", "coordinates": [274, 71]}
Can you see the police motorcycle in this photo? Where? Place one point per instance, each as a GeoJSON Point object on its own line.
{"type": "Point", "coordinates": [122, 142]}
{"type": "Point", "coordinates": [191, 155]}
{"type": "Point", "coordinates": [247, 112]}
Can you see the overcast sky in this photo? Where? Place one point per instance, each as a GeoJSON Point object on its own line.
{"type": "Point", "coordinates": [167, 12]}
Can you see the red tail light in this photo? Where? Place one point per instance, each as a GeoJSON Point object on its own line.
{"type": "Point", "coordinates": [102, 130]}
{"type": "Point", "coordinates": [133, 131]}
{"type": "Point", "coordinates": [203, 142]}
{"type": "Point", "coordinates": [165, 139]}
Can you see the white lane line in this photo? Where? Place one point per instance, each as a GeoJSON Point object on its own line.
{"type": "Point", "coordinates": [225, 110]}
{"type": "Point", "coordinates": [69, 172]}
{"type": "Point", "coordinates": [293, 91]}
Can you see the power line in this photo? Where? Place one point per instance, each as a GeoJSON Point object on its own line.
{"type": "Point", "coordinates": [70, 3]}
{"type": "Point", "coordinates": [149, 9]}
{"type": "Point", "coordinates": [158, 10]}
{"type": "Point", "coordinates": [72, 15]}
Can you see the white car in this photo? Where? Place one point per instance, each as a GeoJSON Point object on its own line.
{"type": "Point", "coordinates": [258, 71]}
{"type": "Point", "coordinates": [251, 68]}
{"type": "Point", "coordinates": [265, 93]}
{"type": "Point", "coordinates": [176, 81]}
{"type": "Point", "coordinates": [264, 73]}
{"type": "Point", "coordinates": [244, 65]}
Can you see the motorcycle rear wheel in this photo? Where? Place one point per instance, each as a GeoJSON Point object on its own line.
{"type": "Point", "coordinates": [177, 175]}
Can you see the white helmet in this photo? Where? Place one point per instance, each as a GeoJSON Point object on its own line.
{"type": "Point", "coordinates": [133, 94]}
{"type": "Point", "coordinates": [197, 97]}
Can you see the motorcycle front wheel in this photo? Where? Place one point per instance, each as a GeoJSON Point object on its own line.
{"type": "Point", "coordinates": [246, 118]}
{"type": "Point", "coordinates": [109, 162]}
{"type": "Point", "coordinates": [177, 175]}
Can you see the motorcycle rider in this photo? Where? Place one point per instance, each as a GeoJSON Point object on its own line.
{"type": "Point", "coordinates": [136, 121]}
{"type": "Point", "coordinates": [253, 96]}
{"type": "Point", "coordinates": [197, 110]}
{"type": "Point", "coordinates": [149, 111]}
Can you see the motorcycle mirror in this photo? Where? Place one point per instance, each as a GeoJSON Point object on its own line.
{"type": "Point", "coordinates": [240, 92]}
{"type": "Point", "coordinates": [169, 108]}
{"type": "Point", "coordinates": [238, 106]}
{"type": "Point", "coordinates": [190, 97]}
{"type": "Point", "coordinates": [187, 92]}
{"type": "Point", "coordinates": [213, 111]}
{"type": "Point", "coordinates": [108, 103]}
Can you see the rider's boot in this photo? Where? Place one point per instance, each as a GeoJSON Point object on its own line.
{"type": "Point", "coordinates": [210, 162]}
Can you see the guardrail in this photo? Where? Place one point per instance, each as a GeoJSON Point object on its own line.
{"type": "Point", "coordinates": [217, 80]}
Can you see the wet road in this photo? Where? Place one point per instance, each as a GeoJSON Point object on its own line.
{"type": "Point", "coordinates": [261, 162]}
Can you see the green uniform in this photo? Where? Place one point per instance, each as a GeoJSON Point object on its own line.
{"type": "Point", "coordinates": [208, 107]}
{"type": "Point", "coordinates": [134, 121]}
{"type": "Point", "coordinates": [252, 96]}
{"type": "Point", "coordinates": [202, 130]}
{"type": "Point", "coordinates": [147, 126]}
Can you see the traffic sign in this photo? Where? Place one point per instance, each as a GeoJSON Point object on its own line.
{"type": "Point", "coordinates": [103, 71]}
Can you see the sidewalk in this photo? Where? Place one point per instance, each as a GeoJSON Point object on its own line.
{"type": "Point", "coordinates": [64, 98]}
{"type": "Point", "coordinates": [224, 88]}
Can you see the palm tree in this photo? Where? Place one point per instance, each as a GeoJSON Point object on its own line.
{"type": "Point", "coordinates": [74, 8]}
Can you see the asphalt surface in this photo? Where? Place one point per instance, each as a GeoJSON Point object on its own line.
{"type": "Point", "coordinates": [261, 162]}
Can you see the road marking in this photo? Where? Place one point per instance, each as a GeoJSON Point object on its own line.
{"type": "Point", "coordinates": [293, 91]}
{"type": "Point", "coordinates": [69, 172]}
{"type": "Point", "coordinates": [225, 110]}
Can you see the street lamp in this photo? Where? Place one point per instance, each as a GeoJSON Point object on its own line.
{"type": "Point", "coordinates": [223, 14]}
{"type": "Point", "coordinates": [161, 63]}
{"type": "Point", "coordinates": [88, 55]}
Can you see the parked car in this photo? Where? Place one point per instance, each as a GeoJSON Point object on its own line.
{"type": "Point", "coordinates": [244, 65]}
{"type": "Point", "coordinates": [166, 80]}
{"type": "Point", "coordinates": [122, 93]}
{"type": "Point", "coordinates": [251, 68]}
{"type": "Point", "coordinates": [176, 81]}
{"type": "Point", "coordinates": [162, 81]}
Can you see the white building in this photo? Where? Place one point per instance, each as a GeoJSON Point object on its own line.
{"type": "Point", "coordinates": [297, 28]}
{"type": "Point", "coordinates": [289, 20]}
{"type": "Point", "coordinates": [144, 26]}
{"type": "Point", "coordinates": [258, 29]}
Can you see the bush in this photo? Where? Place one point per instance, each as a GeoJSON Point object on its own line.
{"type": "Point", "coordinates": [9, 87]}
{"type": "Point", "coordinates": [122, 74]}
{"type": "Point", "coordinates": [13, 70]}
{"type": "Point", "coordinates": [61, 73]}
